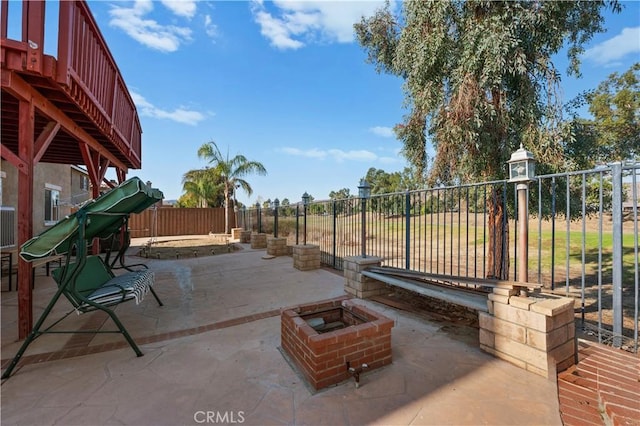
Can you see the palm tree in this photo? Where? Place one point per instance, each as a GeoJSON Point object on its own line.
{"type": "Point", "coordinates": [232, 171]}
{"type": "Point", "coordinates": [202, 185]}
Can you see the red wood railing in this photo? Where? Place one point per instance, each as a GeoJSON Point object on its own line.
{"type": "Point", "coordinates": [85, 70]}
{"type": "Point", "coordinates": [88, 70]}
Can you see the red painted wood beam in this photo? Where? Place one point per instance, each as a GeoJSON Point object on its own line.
{"type": "Point", "coordinates": [26, 119]}
{"type": "Point", "coordinates": [33, 33]}
{"type": "Point", "coordinates": [122, 175]}
{"type": "Point", "coordinates": [15, 85]}
{"type": "Point", "coordinates": [92, 168]}
{"type": "Point", "coordinates": [44, 140]}
{"type": "Point", "coordinates": [4, 11]}
{"type": "Point", "coordinates": [12, 158]}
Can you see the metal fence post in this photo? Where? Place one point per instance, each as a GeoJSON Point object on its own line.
{"type": "Point", "coordinates": [616, 273]}
{"type": "Point", "coordinates": [259, 218]}
{"type": "Point", "coordinates": [297, 224]}
{"type": "Point", "coordinates": [407, 249]}
{"type": "Point", "coordinates": [335, 233]}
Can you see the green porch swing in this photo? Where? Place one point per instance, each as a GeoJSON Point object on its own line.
{"type": "Point", "coordinates": [88, 281]}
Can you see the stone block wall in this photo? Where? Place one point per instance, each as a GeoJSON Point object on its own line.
{"type": "Point", "coordinates": [245, 237]}
{"type": "Point", "coordinates": [357, 284]}
{"type": "Point", "coordinates": [536, 333]}
{"type": "Point", "coordinates": [259, 241]}
{"type": "Point", "coordinates": [277, 246]}
{"type": "Point", "coordinates": [235, 233]}
{"type": "Point", "coordinates": [306, 257]}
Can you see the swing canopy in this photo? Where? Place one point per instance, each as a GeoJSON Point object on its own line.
{"type": "Point", "coordinates": [101, 217]}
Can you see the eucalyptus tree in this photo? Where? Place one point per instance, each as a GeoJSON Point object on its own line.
{"type": "Point", "coordinates": [479, 80]}
{"type": "Point", "coordinates": [615, 107]}
{"type": "Point", "coordinates": [232, 172]}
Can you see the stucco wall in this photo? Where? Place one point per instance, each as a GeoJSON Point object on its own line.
{"type": "Point", "coordinates": [44, 173]}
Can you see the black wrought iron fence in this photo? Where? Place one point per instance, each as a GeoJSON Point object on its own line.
{"type": "Point", "coordinates": [582, 237]}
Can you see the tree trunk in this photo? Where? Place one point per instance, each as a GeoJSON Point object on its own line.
{"type": "Point", "coordinates": [226, 214]}
{"type": "Point", "coordinates": [498, 250]}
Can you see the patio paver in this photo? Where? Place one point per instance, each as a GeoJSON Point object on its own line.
{"type": "Point", "coordinates": [213, 349]}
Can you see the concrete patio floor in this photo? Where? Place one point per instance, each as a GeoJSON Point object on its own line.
{"type": "Point", "coordinates": [212, 356]}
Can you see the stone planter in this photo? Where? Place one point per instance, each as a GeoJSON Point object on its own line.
{"type": "Point", "coordinates": [245, 237]}
{"type": "Point", "coordinates": [277, 246]}
{"type": "Point", "coordinates": [258, 241]}
{"type": "Point", "coordinates": [306, 257]}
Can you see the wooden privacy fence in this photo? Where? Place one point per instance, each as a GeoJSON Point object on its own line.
{"type": "Point", "coordinates": [179, 221]}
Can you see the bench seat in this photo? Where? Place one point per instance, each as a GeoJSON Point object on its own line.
{"type": "Point", "coordinates": [95, 282]}
{"type": "Point", "coordinates": [131, 285]}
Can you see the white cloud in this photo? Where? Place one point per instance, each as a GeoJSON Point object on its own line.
{"type": "Point", "coordinates": [186, 8]}
{"type": "Point", "coordinates": [337, 155]}
{"type": "Point", "coordinates": [625, 43]}
{"type": "Point", "coordinates": [180, 114]}
{"type": "Point", "coordinates": [210, 28]}
{"type": "Point", "coordinates": [312, 153]}
{"type": "Point", "coordinates": [165, 38]}
{"type": "Point", "coordinates": [385, 132]}
{"type": "Point", "coordinates": [292, 24]}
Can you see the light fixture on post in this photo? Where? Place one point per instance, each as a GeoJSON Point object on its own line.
{"type": "Point", "coordinates": [276, 204]}
{"type": "Point", "coordinates": [364, 192]}
{"type": "Point", "coordinates": [305, 203]}
{"type": "Point", "coordinates": [522, 166]}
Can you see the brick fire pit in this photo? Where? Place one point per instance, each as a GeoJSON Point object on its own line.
{"type": "Point", "coordinates": [324, 339]}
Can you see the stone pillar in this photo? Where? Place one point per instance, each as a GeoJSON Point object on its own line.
{"type": "Point", "coordinates": [357, 284]}
{"type": "Point", "coordinates": [245, 237]}
{"type": "Point", "coordinates": [235, 233]}
{"type": "Point", "coordinates": [259, 241]}
{"type": "Point", "coordinates": [536, 333]}
{"type": "Point", "coordinates": [306, 257]}
{"type": "Point", "coordinates": [277, 246]}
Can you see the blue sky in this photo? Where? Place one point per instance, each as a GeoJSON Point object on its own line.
{"type": "Point", "coordinates": [283, 83]}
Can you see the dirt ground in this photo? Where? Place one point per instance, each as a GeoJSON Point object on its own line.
{"type": "Point", "coordinates": [186, 248]}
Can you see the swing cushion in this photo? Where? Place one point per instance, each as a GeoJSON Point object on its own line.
{"type": "Point", "coordinates": [97, 283]}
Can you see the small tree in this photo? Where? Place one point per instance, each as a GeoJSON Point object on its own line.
{"type": "Point", "coordinates": [231, 171]}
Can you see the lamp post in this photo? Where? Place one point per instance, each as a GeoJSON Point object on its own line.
{"type": "Point", "coordinates": [305, 203]}
{"type": "Point", "coordinates": [364, 191]}
{"type": "Point", "coordinates": [522, 166]}
{"type": "Point", "coordinates": [276, 204]}
{"type": "Point", "coordinates": [235, 214]}
{"type": "Point", "coordinates": [244, 218]}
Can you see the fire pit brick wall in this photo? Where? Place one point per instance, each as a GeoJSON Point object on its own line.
{"type": "Point", "coordinates": [322, 357]}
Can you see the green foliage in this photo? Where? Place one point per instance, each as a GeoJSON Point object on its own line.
{"type": "Point", "coordinates": [342, 194]}
{"type": "Point", "coordinates": [214, 185]}
{"type": "Point", "coordinates": [478, 77]}
{"type": "Point", "coordinates": [614, 132]}
{"type": "Point", "coordinates": [386, 183]}
{"type": "Point", "coordinates": [202, 188]}
{"type": "Point", "coordinates": [232, 171]}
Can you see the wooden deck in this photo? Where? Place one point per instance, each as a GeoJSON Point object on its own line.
{"type": "Point", "coordinates": [72, 107]}
{"type": "Point", "coordinates": [82, 105]}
